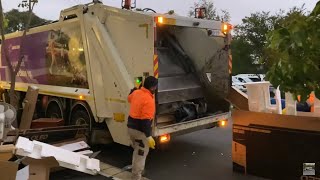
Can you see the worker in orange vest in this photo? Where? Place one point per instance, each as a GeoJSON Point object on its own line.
{"type": "Point", "coordinates": [141, 115]}
{"type": "Point", "coordinates": [310, 101]}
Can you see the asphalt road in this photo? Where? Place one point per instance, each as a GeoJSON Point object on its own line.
{"type": "Point", "coordinates": [203, 155]}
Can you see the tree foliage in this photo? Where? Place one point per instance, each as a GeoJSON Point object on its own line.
{"type": "Point", "coordinates": [250, 40]}
{"type": "Point", "coordinates": [212, 12]}
{"type": "Point", "coordinates": [14, 69]}
{"type": "Point", "coordinates": [17, 19]}
{"type": "Point", "coordinates": [295, 46]}
{"type": "Point", "coordinates": [242, 61]}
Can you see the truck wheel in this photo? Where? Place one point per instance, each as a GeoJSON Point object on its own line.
{"type": "Point", "coordinates": [81, 117]}
{"type": "Point", "coordinates": [54, 110]}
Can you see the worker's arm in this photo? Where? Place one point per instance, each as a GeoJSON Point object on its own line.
{"type": "Point", "coordinates": [148, 111]}
{"type": "Point", "coordinates": [146, 127]}
{"type": "Point", "coordinates": [131, 94]}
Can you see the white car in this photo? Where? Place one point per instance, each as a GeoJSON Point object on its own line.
{"type": "Point", "coordinates": [238, 84]}
{"type": "Point", "coordinates": [247, 78]}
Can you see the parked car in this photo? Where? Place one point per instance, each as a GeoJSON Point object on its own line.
{"type": "Point", "coordinates": [247, 78]}
{"type": "Point", "coordinates": [238, 84]}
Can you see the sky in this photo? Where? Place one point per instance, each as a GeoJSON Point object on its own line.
{"type": "Point", "coordinates": [50, 9]}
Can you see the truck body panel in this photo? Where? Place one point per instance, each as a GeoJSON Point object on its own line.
{"type": "Point", "coordinates": [95, 53]}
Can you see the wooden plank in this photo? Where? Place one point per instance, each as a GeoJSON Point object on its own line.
{"type": "Point", "coordinates": [238, 99]}
{"type": "Point", "coordinates": [30, 104]}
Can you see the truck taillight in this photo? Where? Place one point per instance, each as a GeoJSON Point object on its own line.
{"type": "Point", "coordinates": [226, 28]}
{"type": "Point", "coordinates": [160, 20]}
{"type": "Point", "coordinates": [164, 138]}
{"type": "Point", "coordinates": [222, 123]}
{"type": "Point", "coordinates": [165, 20]}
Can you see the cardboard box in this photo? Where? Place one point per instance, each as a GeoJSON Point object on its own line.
{"type": "Point", "coordinates": [40, 168]}
{"type": "Point", "coordinates": [8, 170]}
{"type": "Point", "coordinates": [31, 169]}
{"type": "Point", "coordinates": [6, 152]}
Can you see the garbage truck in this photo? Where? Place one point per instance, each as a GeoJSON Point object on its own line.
{"type": "Point", "coordinates": [86, 63]}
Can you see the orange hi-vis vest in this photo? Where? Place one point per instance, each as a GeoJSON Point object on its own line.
{"type": "Point", "coordinates": [142, 104]}
{"type": "Point", "coordinates": [310, 101]}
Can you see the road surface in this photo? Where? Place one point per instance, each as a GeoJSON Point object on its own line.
{"type": "Point", "coordinates": [204, 155]}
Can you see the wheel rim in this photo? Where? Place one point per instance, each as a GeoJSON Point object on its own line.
{"type": "Point", "coordinates": [55, 115]}
{"type": "Point", "coordinates": [81, 121]}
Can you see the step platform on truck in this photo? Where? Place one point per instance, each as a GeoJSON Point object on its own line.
{"type": "Point", "coordinates": [276, 146]}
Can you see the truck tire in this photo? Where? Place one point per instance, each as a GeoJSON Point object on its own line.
{"type": "Point", "coordinates": [54, 110]}
{"type": "Point", "coordinates": [80, 116]}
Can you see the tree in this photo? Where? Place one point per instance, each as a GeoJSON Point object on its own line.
{"type": "Point", "coordinates": [242, 61]}
{"type": "Point", "coordinates": [17, 20]}
{"type": "Point", "coordinates": [14, 69]}
{"type": "Point", "coordinates": [252, 33]}
{"type": "Point", "coordinates": [211, 10]}
{"type": "Point", "coordinates": [295, 45]}
{"type": "Point", "coordinates": [250, 40]}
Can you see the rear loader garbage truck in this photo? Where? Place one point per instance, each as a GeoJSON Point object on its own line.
{"type": "Point", "coordinates": [86, 63]}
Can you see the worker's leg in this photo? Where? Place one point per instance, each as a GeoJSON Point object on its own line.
{"type": "Point", "coordinates": [141, 150]}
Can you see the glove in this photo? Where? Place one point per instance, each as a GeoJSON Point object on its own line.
{"type": "Point", "coordinates": [284, 111]}
{"type": "Point", "coordinates": [152, 143]}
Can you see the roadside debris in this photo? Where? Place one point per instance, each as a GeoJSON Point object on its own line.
{"type": "Point", "coordinates": [65, 158]}
{"type": "Point", "coordinates": [30, 154]}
